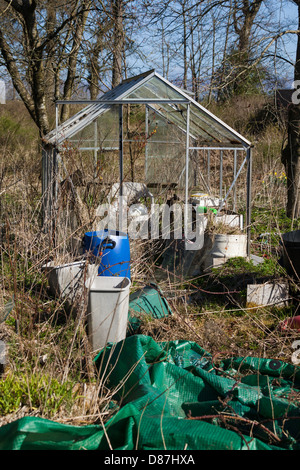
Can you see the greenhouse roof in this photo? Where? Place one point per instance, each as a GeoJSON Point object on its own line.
{"type": "Point", "coordinates": [157, 93]}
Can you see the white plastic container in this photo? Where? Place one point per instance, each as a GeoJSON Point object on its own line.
{"type": "Point", "coordinates": [229, 246]}
{"type": "Point", "coordinates": [233, 220]}
{"type": "Point", "coordinates": [223, 248]}
{"type": "Point", "coordinates": [206, 200]}
{"type": "Point", "coordinates": [108, 307]}
{"type": "Point", "coordinates": [268, 293]}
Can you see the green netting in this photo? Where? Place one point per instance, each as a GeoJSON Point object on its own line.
{"type": "Point", "coordinates": [172, 397]}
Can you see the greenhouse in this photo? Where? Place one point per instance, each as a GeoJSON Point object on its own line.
{"type": "Point", "coordinates": [149, 131]}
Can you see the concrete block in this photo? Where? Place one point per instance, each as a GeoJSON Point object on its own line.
{"type": "Point", "coordinates": [266, 294]}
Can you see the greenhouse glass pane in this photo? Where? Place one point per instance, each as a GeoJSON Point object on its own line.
{"type": "Point", "coordinates": [209, 125]}
{"type": "Point", "coordinates": [165, 151]}
{"type": "Point", "coordinates": [103, 132]}
{"type": "Point", "coordinates": [155, 88]}
{"type": "Point", "coordinates": [160, 129]}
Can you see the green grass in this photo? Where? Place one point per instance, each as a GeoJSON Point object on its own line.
{"type": "Point", "coordinates": [35, 391]}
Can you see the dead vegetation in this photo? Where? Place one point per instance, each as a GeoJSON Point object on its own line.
{"type": "Point", "coordinates": [47, 337]}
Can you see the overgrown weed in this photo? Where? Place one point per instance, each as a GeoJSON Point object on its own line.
{"type": "Point", "coordinates": [49, 359]}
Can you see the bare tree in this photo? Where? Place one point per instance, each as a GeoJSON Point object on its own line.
{"type": "Point", "coordinates": [237, 72]}
{"type": "Point", "coordinates": [39, 43]}
{"type": "Point", "coordinates": [95, 50]}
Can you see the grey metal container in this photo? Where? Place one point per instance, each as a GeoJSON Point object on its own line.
{"type": "Point", "coordinates": [108, 306]}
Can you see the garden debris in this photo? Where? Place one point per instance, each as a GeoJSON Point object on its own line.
{"type": "Point", "coordinates": [256, 260]}
{"type": "Point", "coordinates": [173, 395]}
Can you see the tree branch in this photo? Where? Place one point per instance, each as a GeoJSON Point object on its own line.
{"type": "Point", "coordinates": [13, 70]}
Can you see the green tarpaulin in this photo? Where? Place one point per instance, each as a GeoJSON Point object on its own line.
{"type": "Point", "coordinates": [148, 301]}
{"type": "Point", "coordinates": [171, 396]}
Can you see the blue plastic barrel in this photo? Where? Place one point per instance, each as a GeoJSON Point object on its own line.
{"type": "Point", "coordinates": [112, 249]}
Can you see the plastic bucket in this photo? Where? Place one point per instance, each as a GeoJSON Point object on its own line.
{"type": "Point", "coordinates": [112, 249]}
{"type": "Point", "coordinates": [108, 306]}
{"type": "Point", "coordinates": [229, 246]}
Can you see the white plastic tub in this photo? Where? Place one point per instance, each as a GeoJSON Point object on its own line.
{"type": "Point", "coordinates": [229, 246]}
{"type": "Point", "coordinates": [223, 248]}
{"type": "Point", "coordinates": [108, 307]}
{"type": "Point", "coordinates": [206, 200]}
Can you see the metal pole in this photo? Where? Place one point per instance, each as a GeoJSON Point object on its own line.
{"type": "Point", "coordinates": [95, 147]}
{"type": "Point", "coordinates": [249, 191]}
{"type": "Point", "coordinates": [221, 175]}
{"type": "Point", "coordinates": [208, 169]}
{"type": "Point", "coordinates": [187, 151]}
{"type": "Point", "coordinates": [125, 101]}
{"type": "Point", "coordinates": [146, 143]}
{"type": "Point", "coordinates": [121, 166]}
{"type": "Point", "coordinates": [121, 147]}
{"type": "Point", "coordinates": [234, 175]}
{"type": "Point", "coordinates": [56, 119]}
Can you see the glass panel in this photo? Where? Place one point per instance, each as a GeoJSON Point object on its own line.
{"type": "Point", "coordinates": [210, 126]}
{"type": "Point", "coordinates": [165, 151]}
{"type": "Point", "coordinates": [202, 127]}
{"type": "Point", "coordinates": [102, 133]}
{"type": "Point", "coordinates": [156, 89]}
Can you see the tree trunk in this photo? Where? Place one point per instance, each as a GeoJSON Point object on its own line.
{"type": "Point", "coordinates": [185, 58]}
{"type": "Point", "coordinates": [118, 44]}
{"type": "Point", "coordinates": [291, 161]}
{"type": "Point", "coordinates": [244, 15]}
{"type": "Point", "coordinates": [72, 62]}
{"type": "Point", "coordinates": [291, 153]}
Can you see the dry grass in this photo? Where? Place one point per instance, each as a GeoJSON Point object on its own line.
{"type": "Point", "coordinates": [48, 336]}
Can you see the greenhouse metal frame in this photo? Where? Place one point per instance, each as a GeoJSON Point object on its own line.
{"type": "Point", "coordinates": [203, 131]}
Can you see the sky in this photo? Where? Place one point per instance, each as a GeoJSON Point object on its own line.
{"type": "Point", "coordinates": [281, 14]}
{"type": "Point", "coordinates": [288, 13]}
{"type": "Point", "coordinates": [275, 15]}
